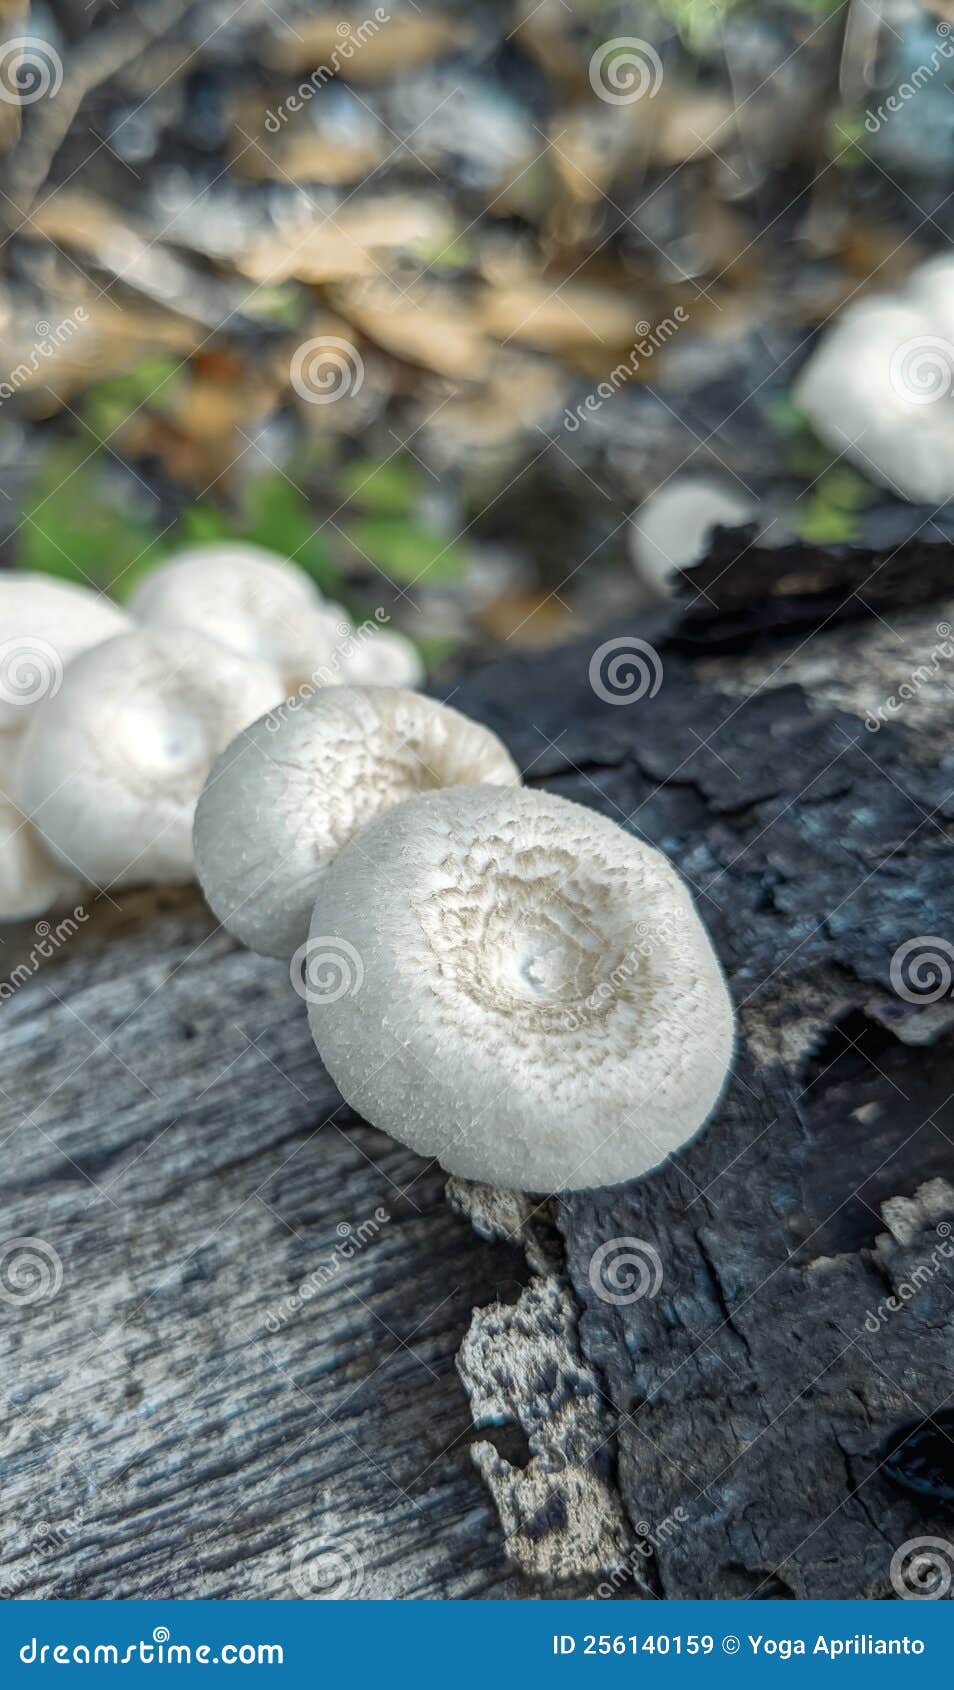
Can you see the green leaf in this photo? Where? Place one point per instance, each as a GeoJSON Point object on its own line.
{"type": "Point", "coordinates": [405, 552]}
{"type": "Point", "coordinates": [72, 530]}
{"type": "Point", "coordinates": [392, 487]}
{"type": "Point", "coordinates": [107, 404]}
{"type": "Point", "coordinates": [276, 514]}
{"type": "Point", "coordinates": [205, 522]}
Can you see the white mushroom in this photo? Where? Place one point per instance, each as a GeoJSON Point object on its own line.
{"type": "Point", "coordinates": [382, 658]}
{"type": "Point", "coordinates": [880, 387]}
{"type": "Point", "coordinates": [44, 623]}
{"type": "Point", "coordinates": [671, 531]}
{"type": "Point", "coordinates": [31, 882]}
{"type": "Point", "coordinates": [297, 785]}
{"type": "Point", "coordinates": [111, 765]}
{"type": "Point", "coordinates": [247, 598]}
{"type": "Point", "coordinates": [510, 983]}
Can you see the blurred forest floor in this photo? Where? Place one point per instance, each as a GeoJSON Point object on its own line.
{"type": "Point", "coordinates": [354, 282]}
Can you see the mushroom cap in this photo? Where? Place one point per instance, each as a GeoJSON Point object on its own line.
{"type": "Point", "coordinates": [511, 983]}
{"type": "Point", "coordinates": [244, 596]}
{"type": "Point", "coordinates": [292, 789]}
{"type": "Point", "coordinates": [111, 766]}
{"type": "Point", "coordinates": [31, 881]}
{"type": "Point", "coordinates": [671, 530]}
{"type": "Point", "coordinates": [44, 624]}
{"type": "Point", "coordinates": [880, 390]}
{"type": "Point", "coordinates": [384, 658]}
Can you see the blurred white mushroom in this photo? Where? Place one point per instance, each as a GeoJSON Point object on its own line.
{"type": "Point", "coordinates": [292, 789]}
{"type": "Point", "coordinates": [672, 530]}
{"type": "Point", "coordinates": [111, 765]}
{"type": "Point", "coordinates": [512, 984]}
{"type": "Point", "coordinates": [44, 623]}
{"type": "Point", "coordinates": [383, 657]}
{"type": "Point", "coordinates": [880, 387]}
{"type": "Point", "coordinates": [31, 881]}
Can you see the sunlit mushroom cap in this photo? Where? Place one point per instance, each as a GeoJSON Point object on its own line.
{"type": "Point", "coordinates": [297, 785]}
{"type": "Point", "coordinates": [510, 983]}
{"type": "Point", "coordinates": [672, 530]}
{"type": "Point", "coordinates": [382, 658]}
{"type": "Point", "coordinates": [247, 598]}
{"type": "Point", "coordinates": [111, 766]}
{"type": "Point", "coordinates": [880, 390]}
{"type": "Point", "coordinates": [44, 623]}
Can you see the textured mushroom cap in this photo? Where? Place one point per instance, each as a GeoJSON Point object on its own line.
{"type": "Point", "coordinates": [111, 767]}
{"type": "Point", "coordinates": [292, 789]}
{"type": "Point", "coordinates": [671, 530]}
{"type": "Point", "coordinates": [247, 598]}
{"type": "Point", "coordinates": [512, 984]}
{"type": "Point", "coordinates": [31, 882]}
{"type": "Point", "coordinates": [44, 624]}
{"type": "Point", "coordinates": [385, 658]}
{"type": "Point", "coordinates": [880, 389]}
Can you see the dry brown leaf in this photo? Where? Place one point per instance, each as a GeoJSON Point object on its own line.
{"type": "Point", "coordinates": [350, 241]}
{"type": "Point", "coordinates": [299, 152]}
{"type": "Point", "coordinates": [563, 318]}
{"type": "Point", "coordinates": [527, 620]}
{"type": "Point", "coordinates": [349, 49]}
{"type": "Point", "coordinates": [424, 324]}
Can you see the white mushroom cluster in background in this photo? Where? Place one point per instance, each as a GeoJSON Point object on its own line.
{"type": "Point", "coordinates": [673, 528]}
{"type": "Point", "coordinates": [264, 607]}
{"type": "Point", "coordinates": [497, 977]}
{"type": "Point", "coordinates": [880, 386]}
{"type": "Point", "coordinates": [110, 721]}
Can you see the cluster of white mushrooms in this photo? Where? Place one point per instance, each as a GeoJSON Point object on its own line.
{"type": "Point", "coordinates": [880, 387]}
{"type": "Point", "coordinates": [110, 720]}
{"type": "Point", "coordinates": [501, 979]}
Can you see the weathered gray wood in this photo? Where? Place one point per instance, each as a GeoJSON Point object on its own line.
{"type": "Point", "coordinates": [168, 1130]}
{"type": "Point", "coordinates": [757, 1388]}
